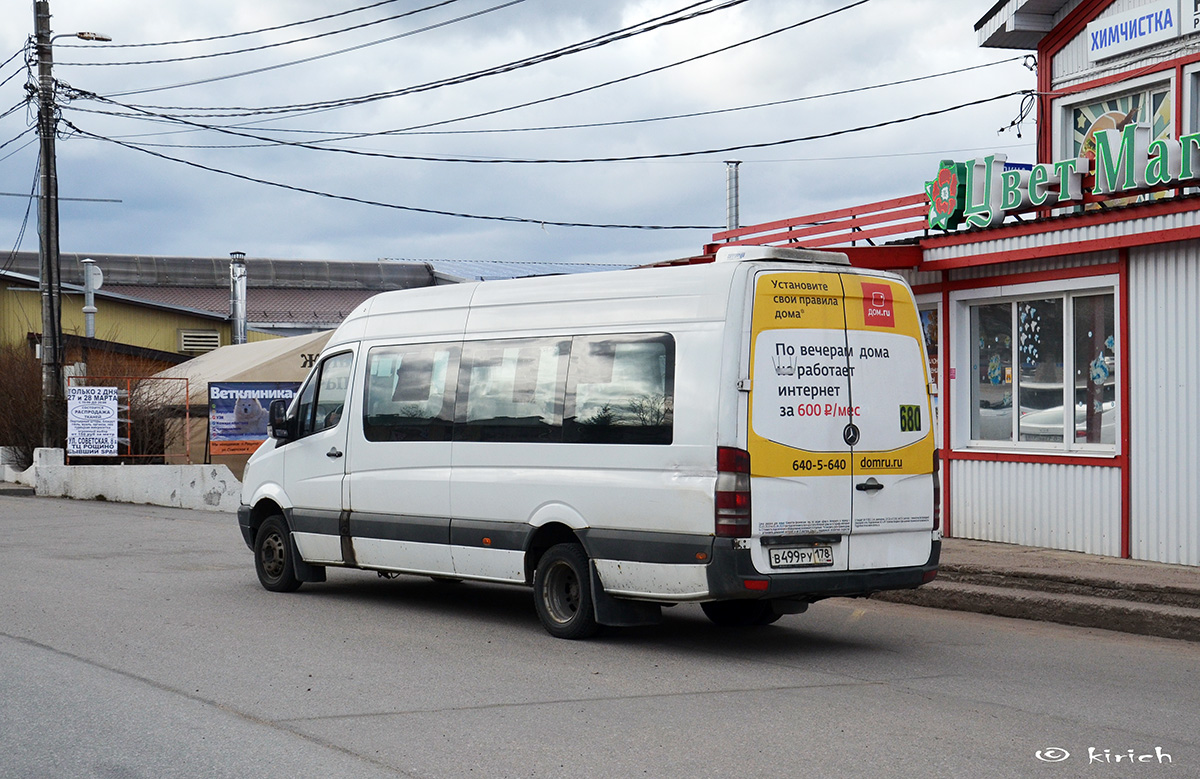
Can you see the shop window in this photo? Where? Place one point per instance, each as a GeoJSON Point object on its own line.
{"type": "Point", "coordinates": [1151, 106]}
{"type": "Point", "coordinates": [1043, 371]}
{"type": "Point", "coordinates": [991, 372]}
{"type": "Point", "coordinates": [1095, 370]}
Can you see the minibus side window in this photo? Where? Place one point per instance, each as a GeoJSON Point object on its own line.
{"type": "Point", "coordinates": [304, 406]}
{"type": "Point", "coordinates": [410, 392]}
{"type": "Point", "coordinates": [324, 397]}
{"type": "Point", "coordinates": [512, 391]}
{"type": "Point", "coordinates": [621, 390]}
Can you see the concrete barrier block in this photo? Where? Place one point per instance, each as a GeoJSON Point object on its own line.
{"type": "Point", "coordinates": [200, 487]}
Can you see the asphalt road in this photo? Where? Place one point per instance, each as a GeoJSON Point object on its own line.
{"type": "Point", "coordinates": [136, 641]}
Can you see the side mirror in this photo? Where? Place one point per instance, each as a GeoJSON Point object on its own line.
{"type": "Point", "coordinates": [277, 423]}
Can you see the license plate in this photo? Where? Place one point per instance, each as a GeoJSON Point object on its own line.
{"type": "Point", "coordinates": [799, 556]}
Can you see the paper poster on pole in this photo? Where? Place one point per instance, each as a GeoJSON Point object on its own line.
{"type": "Point", "coordinates": [237, 413]}
{"type": "Point", "coordinates": [91, 421]}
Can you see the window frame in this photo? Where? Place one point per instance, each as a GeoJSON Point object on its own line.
{"type": "Point", "coordinates": [961, 304]}
{"type": "Point", "coordinates": [575, 433]}
{"type": "Point", "coordinates": [314, 382]}
{"type": "Point", "coordinates": [566, 383]}
{"type": "Point", "coordinates": [440, 428]}
{"type": "Point", "coordinates": [1064, 107]}
{"type": "Point", "coordinates": [481, 432]}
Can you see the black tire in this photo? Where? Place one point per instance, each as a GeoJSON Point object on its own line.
{"type": "Point", "coordinates": [562, 592]}
{"type": "Point", "coordinates": [739, 613]}
{"type": "Point", "coordinates": [273, 556]}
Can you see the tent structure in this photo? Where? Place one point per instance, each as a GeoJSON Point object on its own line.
{"type": "Point", "coordinates": [278, 359]}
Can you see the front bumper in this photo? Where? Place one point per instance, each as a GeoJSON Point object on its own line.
{"type": "Point", "coordinates": [243, 514]}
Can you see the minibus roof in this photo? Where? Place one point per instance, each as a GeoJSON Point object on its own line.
{"type": "Point", "coordinates": [779, 253]}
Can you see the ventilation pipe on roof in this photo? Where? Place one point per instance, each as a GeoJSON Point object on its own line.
{"type": "Point", "coordinates": [732, 207]}
{"type": "Point", "coordinates": [93, 278]}
{"type": "Point", "coordinates": [237, 297]}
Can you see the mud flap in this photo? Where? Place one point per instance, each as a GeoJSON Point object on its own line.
{"type": "Point", "coordinates": [619, 613]}
{"type": "Point", "coordinates": [305, 572]}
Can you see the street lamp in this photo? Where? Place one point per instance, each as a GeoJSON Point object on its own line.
{"type": "Point", "coordinates": [49, 283]}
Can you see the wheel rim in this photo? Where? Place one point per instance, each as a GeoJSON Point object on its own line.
{"type": "Point", "coordinates": [560, 593]}
{"type": "Point", "coordinates": [272, 555]}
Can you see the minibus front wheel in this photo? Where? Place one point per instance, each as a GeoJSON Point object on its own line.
{"type": "Point", "coordinates": [273, 556]}
{"type": "Point", "coordinates": [562, 592]}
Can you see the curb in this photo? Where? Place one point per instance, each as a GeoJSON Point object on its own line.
{"type": "Point", "coordinates": [1067, 608]}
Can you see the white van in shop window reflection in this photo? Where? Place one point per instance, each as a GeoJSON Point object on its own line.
{"type": "Point", "coordinates": [1046, 423]}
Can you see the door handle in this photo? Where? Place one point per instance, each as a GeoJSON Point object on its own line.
{"type": "Point", "coordinates": [870, 485]}
{"type": "Point", "coordinates": [334, 453]}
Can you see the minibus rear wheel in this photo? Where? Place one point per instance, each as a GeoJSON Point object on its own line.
{"type": "Point", "coordinates": [739, 613]}
{"type": "Point", "coordinates": [562, 592]}
{"type": "Point", "coordinates": [273, 556]}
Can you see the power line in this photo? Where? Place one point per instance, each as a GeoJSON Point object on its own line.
{"type": "Point", "coordinates": [16, 54]}
{"type": "Point", "coordinates": [648, 25]}
{"type": "Point", "coordinates": [24, 222]}
{"type": "Point", "coordinates": [12, 75]}
{"type": "Point", "coordinates": [561, 161]}
{"type": "Point", "coordinates": [337, 135]}
{"type": "Point", "coordinates": [395, 206]}
{"type": "Point", "coordinates": [319, 56]}
{"type": "Point", "coordinates": [18, 137]}
{"type": "Point", "coordinates": [659, 69]}
{"type": "Point", "coordinates": [20, 148]}
{"type": "Point", "coordinates": [228, 35]}
{"type": "Point", "coordinates": [689, 115]}
{"type": "Point", "coordinates": [14, 109]}
{"type": "Point", "coordinates": [268, 45]}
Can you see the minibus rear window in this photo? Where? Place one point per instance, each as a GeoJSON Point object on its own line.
{"type": "Point", "coordinates": [621, 390]}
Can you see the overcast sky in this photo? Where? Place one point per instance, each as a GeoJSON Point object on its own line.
{"type": "Point", "coordinates": [174, 209]}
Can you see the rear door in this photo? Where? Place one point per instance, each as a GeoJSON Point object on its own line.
{"type": "Point", "coordinates": [800, 401]}
{"type": "Point", "coordinates": [840, 433]}
{"type": "Point", "coordinates": [893, 457]}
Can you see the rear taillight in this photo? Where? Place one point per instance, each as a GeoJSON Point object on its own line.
{"type": "Point", "coordinates": [733, 493]}
{"type": "Point", "coordinates": [937, 489]}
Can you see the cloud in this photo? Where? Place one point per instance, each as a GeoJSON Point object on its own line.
{"type": "Point", "coordinates": [169, 208]}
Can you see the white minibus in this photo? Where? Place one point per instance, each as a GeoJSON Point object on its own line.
{"type": "Point", "coordinates": [751, 434]}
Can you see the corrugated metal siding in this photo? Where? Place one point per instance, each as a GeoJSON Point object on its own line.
{"type": "Point", "coordinates": [1033, 266]}
{"type": "Point", "coordinates": [1071, 63]}
{"type": "Point", "coordinates": [1072, 507]}
{"type": "Point", "coordinates": [1068, 235]}
{"type": "Point", "coordinates": [1164, 372]}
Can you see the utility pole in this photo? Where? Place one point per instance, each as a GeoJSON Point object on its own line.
{"type": "Point", "coordinates": [52, 389]}
{"type": "Point", "coordinates": [53, 411]}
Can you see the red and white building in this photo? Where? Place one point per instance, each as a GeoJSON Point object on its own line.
{"type": "Point", "coordinates": [1065, 345]}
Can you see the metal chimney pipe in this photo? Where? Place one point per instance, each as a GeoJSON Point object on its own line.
{"type": "Point", "coordinates": [732, 206]}
{"type": "Point", "coordinates": [93, 277]}
{"type": "Point", "coordinates": [237, 297]}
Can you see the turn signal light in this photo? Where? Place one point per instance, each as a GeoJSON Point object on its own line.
{"type": "Point", "coordinates": [732, 498]}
